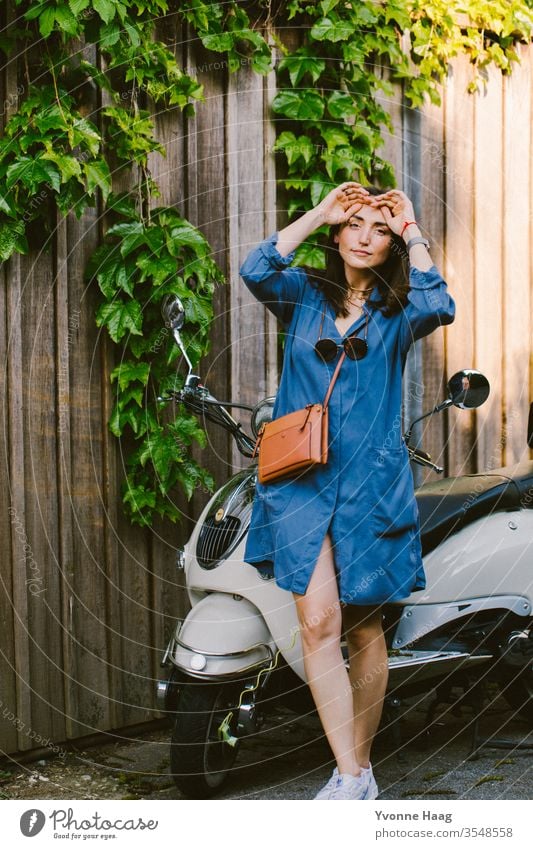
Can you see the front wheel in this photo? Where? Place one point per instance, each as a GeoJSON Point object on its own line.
{"type": "Point", "coordinates": [199, 760]}
{"type": "Point", "coordinates": [517, 679]}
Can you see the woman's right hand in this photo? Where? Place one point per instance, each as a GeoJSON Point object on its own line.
{"type": "Point", "coordinates": [338, 205]}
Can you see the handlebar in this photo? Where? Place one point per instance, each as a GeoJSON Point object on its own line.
{"type": "Point", "coordinates": [199, 400]}
{"type": "Point", "coordinates": [423, 459]}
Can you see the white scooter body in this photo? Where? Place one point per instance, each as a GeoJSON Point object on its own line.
{"type": "Point", "coordinates": [485, 566]}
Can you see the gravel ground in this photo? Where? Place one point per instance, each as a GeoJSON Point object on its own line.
{"type": "Point", "coordinates": [290, 759]}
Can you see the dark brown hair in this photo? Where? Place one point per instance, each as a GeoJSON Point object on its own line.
{"type": "Point", "coordinates": [392, 277]}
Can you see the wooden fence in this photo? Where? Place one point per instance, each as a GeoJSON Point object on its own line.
{"type": "Point", "coordinates": [87, 601]}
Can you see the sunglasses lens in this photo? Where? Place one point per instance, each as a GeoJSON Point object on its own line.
{"type": "Point", "coordinates": [327, 349]}
{"type": "Point", "coordinates": [355, 348]}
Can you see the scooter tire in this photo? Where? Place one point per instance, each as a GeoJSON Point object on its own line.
{"type": "Point", "coordinates": [200, 763]}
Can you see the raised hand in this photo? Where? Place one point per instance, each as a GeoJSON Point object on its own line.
{"type": "Point", "coordinates": [396, 207]}
{"type": "Point", "coordinates": [342, 202]}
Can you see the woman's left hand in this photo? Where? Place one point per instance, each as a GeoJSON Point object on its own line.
{"type": "Point", "coordinates": [396, 207]}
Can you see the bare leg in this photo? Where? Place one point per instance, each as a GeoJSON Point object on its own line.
{"type": "Point", "coordinates": [320, 617]}
{"type": "Point", "coordinates": [368, 673]}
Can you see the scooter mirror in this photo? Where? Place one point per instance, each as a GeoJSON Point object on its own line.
{"type": "Point", "coordinates": [173, 312]}
{"type": "Point", "coordinates": [468, 389]}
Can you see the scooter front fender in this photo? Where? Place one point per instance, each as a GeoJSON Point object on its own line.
{"type": "Point", "coordinates": [223, 636]}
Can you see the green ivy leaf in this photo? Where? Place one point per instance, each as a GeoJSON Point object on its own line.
{"type": "Point", "coordinates": [85, 133]}
{"type": "Point", "coordinates": [106, 9]}
{"type": "Point", "coordinates": [109, 35]}
{"type": "Point", "coordinates": [98, 176]}
{"type": "Point", "coordinates": [295, 148]}
{"type": "Point", "coordinates": [332, 29]}
{"type": "Point", "coordinates": [68, 166]}
{"type": "Point", "coordinates": [301, 63]}
{"type": "Point", "coordinates": [47, 22]}
{"type": "Point", "coordinates": [300, 105]}
{"type": "Point", "coordinates": [310, 254]}
{"type": "Point", "coordinates": [341, 105]}
{"type": "Point", "coordinates": [120, 317]}
{"type": "Point", "coordinates": [32, 172]}
{"type": "Point", "coordinates": [129, 372]}
{"type": "Point", "coordinates": [78, 6]}
{"type": "Point", "coordinates": [185, 235]}
{"type": "Point", "coordinates": [138, 497]}
{"type": "Point", "coordinates": [12, 239]}
{"type": "Point", "coordinates": [66, 20]}
{"type": "Point", "coordinates": [158, 269]}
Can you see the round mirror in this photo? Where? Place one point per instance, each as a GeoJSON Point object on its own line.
{"type": "Point", "coordinates": [468, 389]}
{"type": "Point", "coordinates": [173, 312]}
{"type": "Point", "coordinates": [262, 414]}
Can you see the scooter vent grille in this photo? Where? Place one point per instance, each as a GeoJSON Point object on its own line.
{"type": "Point", "coordinates": [215, 539]}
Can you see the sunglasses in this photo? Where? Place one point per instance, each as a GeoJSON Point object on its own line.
{"type": "Point", "coordinates": [354, 347]}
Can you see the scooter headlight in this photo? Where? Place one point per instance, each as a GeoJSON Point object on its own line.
{"type": "Point", "coordinates": [227, 520]}
{"type": "Point", "coordinates": [261, 414]}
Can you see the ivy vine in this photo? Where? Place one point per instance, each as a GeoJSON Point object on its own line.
{"type": "Point", "coordinates": [59, 152]}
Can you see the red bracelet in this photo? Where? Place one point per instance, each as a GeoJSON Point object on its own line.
{"type": "Point", "coordinates": [407, 223]}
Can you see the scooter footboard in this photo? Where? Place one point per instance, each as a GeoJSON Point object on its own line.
{"type": "Point", "coordinates": [221, 637]}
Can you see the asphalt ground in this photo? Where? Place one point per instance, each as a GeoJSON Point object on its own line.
{"type": "Point", "coordinates": [290, 759]}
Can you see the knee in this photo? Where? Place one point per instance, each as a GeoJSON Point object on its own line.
{"type": "Point", "coordinates": [321, 627]}
{"type": "Point", "coordinates": [360, 636]}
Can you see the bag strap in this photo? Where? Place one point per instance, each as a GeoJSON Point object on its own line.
{"type": "Point", "coordinates": [333, 379]}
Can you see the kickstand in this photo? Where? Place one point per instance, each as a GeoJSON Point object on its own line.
{"type": "Point", "coordinates": [393, 718]}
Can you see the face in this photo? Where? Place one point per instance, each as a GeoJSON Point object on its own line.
{"type": "Point", "coordinates": [365, 240]}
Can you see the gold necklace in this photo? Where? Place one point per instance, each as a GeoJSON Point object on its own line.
{"type": "Point", "coordinates": [361, 298]}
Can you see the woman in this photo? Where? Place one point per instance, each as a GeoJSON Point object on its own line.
{"type": "Point", "coordinates": [344, 537]}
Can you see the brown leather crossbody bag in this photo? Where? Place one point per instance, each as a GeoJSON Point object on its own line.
{"type": "Point", "coordinates": [297, 441]}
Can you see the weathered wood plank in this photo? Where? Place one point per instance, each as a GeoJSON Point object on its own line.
{"type": "Point", "coordinates": [459, 255]}
{"type": "Point", "coordinates": [169, 595]}
{"type": "Point", "coordinates": [8, 566]}
{"type": "Point", "coordinates": [432, 217]}
{"type": "Point", "coordinates": [21, 705]}
{"type": "Point", "coordinates": [517, 304]}
{"type": "Point", "coordinates": [246, 203]}
{"type": "Point", "coordinates": [488, 256]}
{"type": "Point", "coordinates": [39, 387]}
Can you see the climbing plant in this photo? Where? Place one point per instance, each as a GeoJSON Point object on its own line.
{"type": "Point", "coordinates": [81, 116]}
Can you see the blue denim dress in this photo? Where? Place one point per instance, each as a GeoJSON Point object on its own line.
{"type": "Point", "coordinates": [364, 495]}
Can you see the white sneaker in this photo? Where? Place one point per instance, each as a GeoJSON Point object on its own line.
{"type": "Point", "coordinates": [372, 791]}
{"type": "Point", "coordinates": [344, 786]}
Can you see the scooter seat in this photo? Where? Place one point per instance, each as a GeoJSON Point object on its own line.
{"type": "Point", "coordinates": [447, 506]}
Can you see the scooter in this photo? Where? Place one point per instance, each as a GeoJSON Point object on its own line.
{"type": "Point", "coordinates": [238, 652]}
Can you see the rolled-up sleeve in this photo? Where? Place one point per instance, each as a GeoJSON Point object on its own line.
{"type": "Point", "coordinates": [266, 274]}
{"type": "Point", "coordinates": [428, 305]}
